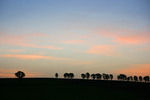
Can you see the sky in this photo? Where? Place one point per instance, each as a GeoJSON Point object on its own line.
{"type": "Point", "coordinates": [44, 37]}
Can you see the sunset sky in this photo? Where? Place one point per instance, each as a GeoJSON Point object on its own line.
{"type": "Point", "coordinates": [42, 37]}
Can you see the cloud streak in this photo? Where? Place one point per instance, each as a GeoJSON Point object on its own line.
{"type": "Point", "coordinates": [32, 57]}
{"type": "Point", "coordinates": [126, 36]}
{"type": "Point", "coordinates": [12, 50]}
{"type": "Point", "coordinates": [79, 63]}
{"type": "Point", "coordinates": [132, 39]}
{"type": "Point", "coordinates": [36, 46]}
{"type": "Point", "coordinates": [23, 41]}
{"type": "Point", "coordinates": [106, 50]}
{"type": "Point", "coordinates": [73, 42]}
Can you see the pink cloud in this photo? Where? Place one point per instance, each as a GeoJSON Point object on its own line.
{"type": "Point", "coordinates": [85, 36]}
{"type": "Point", "coordinates": [32, 57]}
{"type": "Point", "coordinates": [21, 40]}
{"type": "Point", "coordinates": [7, 70]}
{"type": "Point", "coordinates": [81, 36]}
{"type": "Point", "coordinates": [146, 48]}
{"type": "Point", "coordinates": [12, 50]}
{"type": "Point", "coordinates": [136, 69]}
{"type": "Point", "coordinates": [73, 42]}
{"type": "Point", "coordinates": [82, 63]}
{"type": "Point", "coordinates": [132, 39]}
{"type": "Point", "coordinates": [11, 39]}
{"type": "Point", "coordinates": [37, 34]}
{"type": "Point", "coordinates": [36, 46]}
{"type": "Point", "coordinates": [126, 36]}
{"type": "Point", "coordinates": [79, 63]}
{"type": "Point", "coordinates": [107, 50]}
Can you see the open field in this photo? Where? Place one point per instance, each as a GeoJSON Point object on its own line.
{"type": "Point", "coordinates": [71, 89]}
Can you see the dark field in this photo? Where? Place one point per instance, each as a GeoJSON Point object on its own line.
{"type": "Point", "coordinates": [72, 89]}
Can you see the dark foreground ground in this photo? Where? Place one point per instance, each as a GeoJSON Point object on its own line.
{"type": "Point", "coordinates": [72, 89]}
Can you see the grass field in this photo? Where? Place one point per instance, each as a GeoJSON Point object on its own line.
{"type": "Point", "coordinates": [71, 89]}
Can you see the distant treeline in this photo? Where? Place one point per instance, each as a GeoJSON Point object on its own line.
{"type": "Point", "coordinates": [98, 76]}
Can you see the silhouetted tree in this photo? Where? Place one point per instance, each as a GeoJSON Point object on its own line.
{"type": "Point", "coordinates": [111, 76]}
{"type": "Point", "coordinates": [20, 74]}
{"type": "Point", "coordinates": [65, 75]}
{"type": "Point", "coordinates": [93, 76]}
{"type": "Point", "coordinates": [98, 76]}
{"type": "Point", "coordinates": [122, 77]}
{"type": "Point", "coordinates": [56, 75]}
{"type": "Point", "coordinates": [71, 75]}
{"type": "Point", "coordinates": [135, 78]}
{"type": "Point", "coordinates": [131, 78]}
{"type": "Point", "coordinates": [146, 78]}
{"type": "Point", "coordinates": [140, 78]}
{"type": "Point", "coordinates": [68, 75]}
{"type": "Point", "coordinates": [87, 75]}
{"type": "Point", "coordinates": [105, 76]}
{"type": "Point", "coordinates": [83, 76]}
{"type": "Point", "coordinates": [119, 77]}
{"type": "Point", "coordinates": [128, 78]}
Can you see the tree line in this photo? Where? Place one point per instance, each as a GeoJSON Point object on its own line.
{"type": "Point", "coordinates": [123, 77]}
{"type": "Point", "coordinates": [98, 76]}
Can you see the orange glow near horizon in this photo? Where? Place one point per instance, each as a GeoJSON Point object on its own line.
{"type": "Point", "coordinates": [136, 69]}
{"type": "Point", "coordinates": [10, 73]}
{"type": "Point", "coordinates": [5, 75]}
